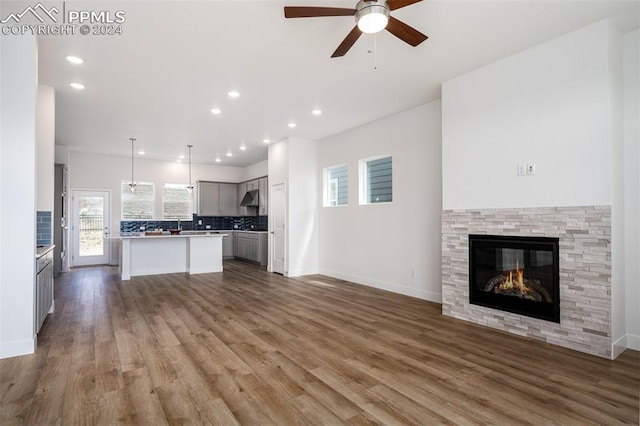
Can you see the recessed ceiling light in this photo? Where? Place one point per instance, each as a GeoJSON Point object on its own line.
{"type": "Point", "coordinates": [141, 152]}
{"type": "Point", "coordinates": [316, 112]}
{"type": "Point", "coordinates": [266, 141]}
{"type": "Point", "coordinates": [218, 159]}
{"type": "Point", "coordinates": [75, 59]}
{"type": "Point", "coordinates": [179, 160]}
{"type": "Point", "coordinates": [77, 86]}
{"type": "Point", "coordinates": [181, 156]}
{"type": "Point", "coordinates": [229, 154]}
{"type": "Point", "coordinates": [243, 148]}
{"type": "Point", "coordinates": [216, 111]}
{"type": "Point", "coordinates": [291, 125]}
{"type": "Point", "coordinates": [233, 94]}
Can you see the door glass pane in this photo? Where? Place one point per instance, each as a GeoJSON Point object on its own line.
{"type": "Point", "coordinates": [91, 226]}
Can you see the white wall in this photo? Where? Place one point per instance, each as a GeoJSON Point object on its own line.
{"type": "Point", "coordinates": [302, 213]}
{"type": "Point", "coordinates": [631, 77]}
{"type": "Point", "coordinates": [381, 245]}
{"type": "Point", "coordinates": [257, 170]}
{"type": "Point", "coordinates": [45, 152]}
{"type": "Point", "coordinates": [618, 231]}
{"type": "Point", "coordinates": [18, 85]}
{"type": "Point", "coordinates": [547, 105]}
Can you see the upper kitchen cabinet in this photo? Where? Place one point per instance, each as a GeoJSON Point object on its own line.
{"type": "Point", "coordinates": [208, 198]}
{"type": "Point", "coordinates": [217, 199]}
{"type": "Point", "coordinates": [260, 200]}
{"type": "Point", "coordinates": [241, 190]}
{"type": "Point", "coordinates": [263, 187]}
{"type": "Point", "coordinates": [228, 200]}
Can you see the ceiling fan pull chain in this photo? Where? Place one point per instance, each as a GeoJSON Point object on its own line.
{"type": "Point", "coordinates": [375, 51]}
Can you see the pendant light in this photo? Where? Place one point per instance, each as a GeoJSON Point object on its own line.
{"type": "Point", "coordinates": [132, 184]}
{"type": "Point", "coordinates": [190, 187]}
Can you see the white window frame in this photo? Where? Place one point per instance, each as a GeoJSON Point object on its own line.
{"type": "Point", "coordinates": [327, 200]}
{"type": "Point", "coordinates": [153, 201]}
{"type": "Point", "coordinates": [363, 180]}
{"type": "Point", "coordinates": [189, 215]}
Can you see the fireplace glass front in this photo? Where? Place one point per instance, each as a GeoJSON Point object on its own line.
{"type": "Point", "coordinates": [515, 274]}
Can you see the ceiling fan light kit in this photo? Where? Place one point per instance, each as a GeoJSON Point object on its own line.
{"type": "Point", "coordinates": [371, 16]}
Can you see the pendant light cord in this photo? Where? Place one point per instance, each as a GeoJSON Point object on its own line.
{"type": "Point", "coordinates": [190, 187]}
{"type": "Point", "coordinates": [133, 183]}
{"type": "Point", "coordinates": [375, 51]}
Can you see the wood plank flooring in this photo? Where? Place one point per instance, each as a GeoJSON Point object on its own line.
{"type": "Point", "coordinates": [248, 347]}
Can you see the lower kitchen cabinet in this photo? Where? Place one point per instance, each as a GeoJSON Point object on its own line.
{"type": "Point", "coordinates": [227, 246]}
{"type": "Point", "coordinates": [44, 288]}
{"type": "Point", "coordinates": [251, 246]}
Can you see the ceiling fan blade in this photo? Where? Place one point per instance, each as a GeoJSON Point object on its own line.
{"type": "Point", "coordinates": [346, 44]}
{"type": "Point", "coordinates": [397, 4]}
{"type": "Point", "coordinates": [313, 11]}
{"type": "Point", "coordinates": [404, 32]}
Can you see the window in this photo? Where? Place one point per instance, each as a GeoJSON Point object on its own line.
{"type": "Point", "coordinates": [335, 186]}
{"type": "Point", "coordinates": [376, 180]}
{"type": "Point", "coordinates": [176, 202]}
{"type": "Point", "coordinates": [138, 204]}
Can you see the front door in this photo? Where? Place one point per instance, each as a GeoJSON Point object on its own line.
{"type": "Point", "coordinates": [90, 228]}
{"type": "Point", "coordinates": [277, 201]}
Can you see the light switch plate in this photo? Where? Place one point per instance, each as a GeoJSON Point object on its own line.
{"type": "Point", "coordinates": [531, 168]}
{"type": "Point", "coordinates": [521, 169]}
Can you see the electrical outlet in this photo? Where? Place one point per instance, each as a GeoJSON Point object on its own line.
{"type": "Point", "coordinates": [208, 227]}
{"type": "Point", "coordinates": [531, 168]}
{"type": "Point", "coordinates": [200, 222]}
{"type": "Point", "coordinates": [522, 169]}
{"type": "Point", "coordinates": [413, 273]}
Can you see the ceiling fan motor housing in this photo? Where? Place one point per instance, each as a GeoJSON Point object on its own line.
{"type": "Point", "coordinates": [372, 15]}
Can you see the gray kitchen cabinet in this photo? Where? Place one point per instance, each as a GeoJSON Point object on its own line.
{"type": "Point", "coordinates": [251, 246]}
{"type": "Point", "coordinates": [263, 190]}
{"type": "Point", "coordinates": [227, 245]}
{"type": "Point", "coordinates": [217, 199]}
{"type": "Point", "coordinates": [208, 198]}
{"type": "Point", "coordinates": [228, 200]}
{"type": "Point", "coordinates": [44, 288]}
{"type": "Point", "coordinates": [253, 184]}
{"type": "Point", "coordinates": [242, 189]}
{"type": "Point", "coordinates": [263, 187]}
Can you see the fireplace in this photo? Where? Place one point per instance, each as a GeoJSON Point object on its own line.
{"type": "Point", "coordinates": [515, 274]}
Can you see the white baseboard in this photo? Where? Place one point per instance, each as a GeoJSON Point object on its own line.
{"type": "Point", "coordinates": [628, 341]}
{"type": "Point", "coordinates": [292, 273]}
{"type": "Point", "coordinates": [633, 342]}
{"type": "Point", "coordinates": [17, 348]}
{"type": "Point", "coordinates": [383, 285]}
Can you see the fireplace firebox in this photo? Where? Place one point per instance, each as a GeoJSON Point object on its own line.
{"type": "Point", "coordinates": [515, 274]}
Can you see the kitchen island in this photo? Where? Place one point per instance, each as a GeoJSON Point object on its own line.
{"type": "Point", "coordinates": [190, 252]}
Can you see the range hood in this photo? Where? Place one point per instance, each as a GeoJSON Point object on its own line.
{"type": "Point", "coordinates": [250, 199]}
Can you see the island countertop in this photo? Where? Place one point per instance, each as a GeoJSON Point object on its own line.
{"type": "Point", "coordinates": [183, 234]}
{"type": "Point", "coordinates": [193, 253]}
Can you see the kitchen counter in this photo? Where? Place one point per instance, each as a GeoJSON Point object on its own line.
{"type": "Point", "coordinates": [196, 253]}
{"type": "Point", "coordinates": [183, 234]}
{"type": "Point", "coordinates": [42, 250]}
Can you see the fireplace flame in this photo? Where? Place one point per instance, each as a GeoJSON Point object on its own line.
{"type": "Point", "coordinates": [518, 283]}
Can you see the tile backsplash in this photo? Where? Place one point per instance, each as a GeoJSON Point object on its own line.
{"type": "Point", "coordinates": [43, 228]}
{"type": "Point", "coordinates": [213, 222]}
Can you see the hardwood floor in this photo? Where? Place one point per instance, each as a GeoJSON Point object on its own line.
{"type": "Point", "coordinates": [248, 347]}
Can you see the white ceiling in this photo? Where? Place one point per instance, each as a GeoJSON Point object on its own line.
{"type": "Point", "coordinates": [176, 60]}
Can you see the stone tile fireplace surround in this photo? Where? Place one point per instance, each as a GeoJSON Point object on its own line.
{"type": "Point", "coordinates": [585, 272]}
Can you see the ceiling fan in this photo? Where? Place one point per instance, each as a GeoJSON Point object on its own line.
{"type": "Point", "coordinates": [371, 16]}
